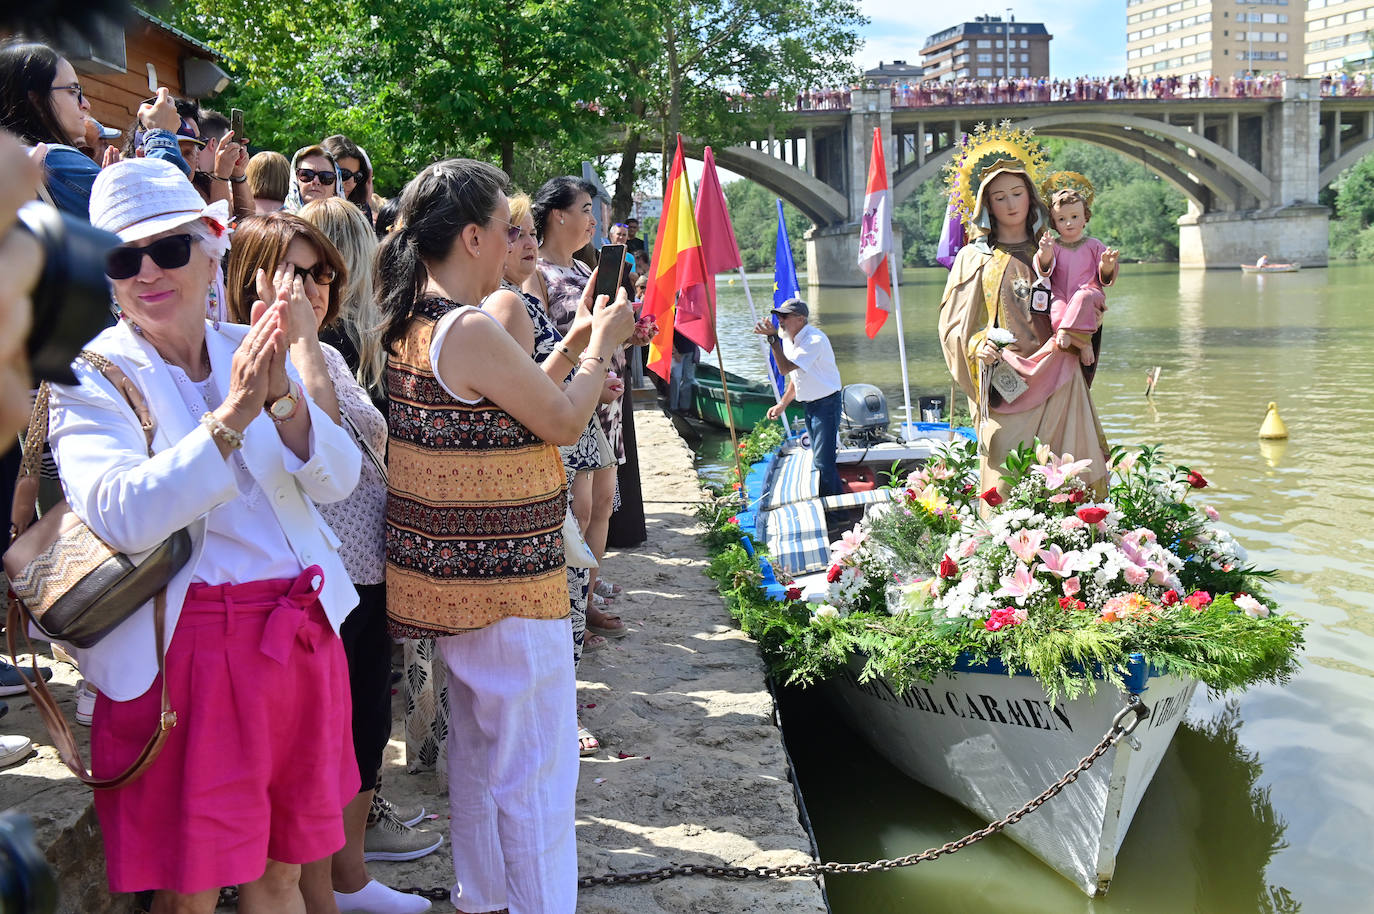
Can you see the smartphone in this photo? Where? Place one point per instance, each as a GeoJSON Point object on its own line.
{"type": "Point", "coordinates": [236, 123]}
{"type": "Point", "coordinates": [609, 265]}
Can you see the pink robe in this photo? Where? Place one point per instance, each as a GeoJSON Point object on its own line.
{"type": "Point", "coordinates": [1076, 298]}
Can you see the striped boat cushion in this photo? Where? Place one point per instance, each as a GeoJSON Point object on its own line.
{"type": "Point", "coordinates": [796, 537]}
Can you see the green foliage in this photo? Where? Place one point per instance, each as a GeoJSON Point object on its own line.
{"type": "Point", "coordinates": [754, 214]}
{"type": "Point", "coordinates": [1067, 650]}
{"type": "Point", "coordinates": [1350, 231]}
{"type": "Point", "coordinates": [920, 218]}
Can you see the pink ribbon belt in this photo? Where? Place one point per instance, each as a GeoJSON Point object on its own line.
{"type": "Point", "coordinates": [286, 602]}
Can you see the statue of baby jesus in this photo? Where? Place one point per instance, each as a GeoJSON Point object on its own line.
{"type": "Point", "coordinates": [1078, 267]}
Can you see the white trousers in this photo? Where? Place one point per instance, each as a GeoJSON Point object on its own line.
{"type": "Point", "coordinates": [512, 767]}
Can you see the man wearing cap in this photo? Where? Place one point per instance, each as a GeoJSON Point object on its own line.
{"type": "Point", "coordinates": [813, 380]}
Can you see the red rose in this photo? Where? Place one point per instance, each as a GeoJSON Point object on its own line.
{"type": "Point", "coordinates": [1077, 496]}
{"type": "Point", "coordinates": [948, 567]}
{"type": "Point", "coordinates": [992, 497]}
{"type": "Point", "coordinates": [911, 494]}
{"type": "Point", "coordinates": [1170, 597]}
{"type": "Point", "coordinates": [1092, 515]}
{"type": "Point", "coordinates": [1195, 480]}
{"type": "Point", "coordinates": [833, 574]}
{"type": "Point", "coordinates": [1066, 603]}
{"type": "Point", "coordinates": [733, 520]}
{"type": "Point", "coordinates": [794, 593]}
{"type": "Point", "coordinates": [968, 489]}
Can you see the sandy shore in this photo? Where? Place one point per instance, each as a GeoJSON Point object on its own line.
{"type": "Point", "coordinates": [704, 778]}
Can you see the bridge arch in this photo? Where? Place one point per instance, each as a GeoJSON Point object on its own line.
{"type": "Point", "coordinates": [822, 204]}
{"type": "Point", "coordinates": [1348, 159]}
{"type": "Point", "coordinates": [1151, 142]}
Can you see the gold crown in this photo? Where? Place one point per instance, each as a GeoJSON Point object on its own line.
{"type": "Point", "coordinates": [1067, 180]}
{"type": "Point", "coordinates": [985, 151]}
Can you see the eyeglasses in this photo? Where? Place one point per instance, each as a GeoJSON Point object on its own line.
{"type": "Point", "coordinates": [307, 175]}
{"type": "Point", "coordinates": [168, 253]}
{"type": "Point", "coordinates": [322, 273]}
{"type": "Point", "coordinates": [73, 88]}
{"type": "Point", "coordinates": [347, 175]}
{"type": "Point", "coordinates": [512, 231]}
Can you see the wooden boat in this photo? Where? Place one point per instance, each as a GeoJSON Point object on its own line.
{"type": "Point", "coordinates": [1271, 268]}
{"type": "Point", "coordinates": [749, 400]}
{"type": "Point", "coordinates": [985, 739]}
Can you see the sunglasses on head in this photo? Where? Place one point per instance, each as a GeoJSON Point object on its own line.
{"type": "Point", "coordinates": [322, 273]}
{"type": "Point", "coordinates": [306, 175]}
{"type": "Point", "coordinates": [348, 175]}
{"type": "Point", "coordinates": [168, 253]}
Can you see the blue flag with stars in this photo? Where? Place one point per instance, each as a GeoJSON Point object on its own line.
{"type": "Point", "coordinates": [784, 287]}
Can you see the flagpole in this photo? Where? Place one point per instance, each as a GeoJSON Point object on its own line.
{"type": "Point", "coordinates": [724, 384]}
{"type": "Point", "coordinates": [763, 347]}
{"type": "Point", "coordinates": [901, 345]}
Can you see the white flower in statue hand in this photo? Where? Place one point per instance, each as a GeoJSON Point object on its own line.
{"type": "Point", "coordinates": [1001, 337]}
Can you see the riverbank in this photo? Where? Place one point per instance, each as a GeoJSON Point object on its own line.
{"type": "Point", "coordinates": [691, 770]}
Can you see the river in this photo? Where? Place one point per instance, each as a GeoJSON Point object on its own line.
{"type": "Point", "coordinates": [1262, 802]}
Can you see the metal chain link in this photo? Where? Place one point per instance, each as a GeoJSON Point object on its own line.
{"type": "Point", "coordinates": [1123, 724]}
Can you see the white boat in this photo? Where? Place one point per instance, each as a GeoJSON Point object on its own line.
{"type": "Point", "coordinates": [991, 742]}
{"type": "Point", "coordinates": [987, 740]}
{"type": "Point", "coordinates": [1270, 267]}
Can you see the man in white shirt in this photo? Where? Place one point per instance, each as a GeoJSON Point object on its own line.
{"type": "Point", "coordinates": [813, 380]}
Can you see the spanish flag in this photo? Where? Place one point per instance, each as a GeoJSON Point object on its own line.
{"type": "Point", "coordinates": [677, 263]}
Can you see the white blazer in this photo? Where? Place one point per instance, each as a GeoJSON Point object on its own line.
{"type": "Point", "coordinates": [134, 502]}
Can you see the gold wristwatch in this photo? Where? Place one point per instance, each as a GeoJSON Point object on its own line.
{"type": "Point", "coordinates": [283, 409]}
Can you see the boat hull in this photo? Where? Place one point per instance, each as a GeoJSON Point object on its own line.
{"type": "Point", "coordinates": [1271, 268]}
{"type": "Point", "coordinates": [991, 742]}
{"type": "Point", "coordinates": [749, 401]}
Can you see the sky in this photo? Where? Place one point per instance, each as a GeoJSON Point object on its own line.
{"type": "Point", "coordinates": [1089, 35]}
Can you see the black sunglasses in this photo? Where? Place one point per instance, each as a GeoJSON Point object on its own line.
{"type": "Point", "coordinates": [306, 175]}
{"type": "Point", "coordinates": [168, 253]}
{"type": "Point", "coordinates": [322, 273]}
{"type": "Point", "coordinates": [351, 175]}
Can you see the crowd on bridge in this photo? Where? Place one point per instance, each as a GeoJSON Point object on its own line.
{"type": "Point", "coordinates": [1020, 90]}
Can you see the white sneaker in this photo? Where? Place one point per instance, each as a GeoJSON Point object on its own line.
{"type": "Point", "coordinates": [14, 749]}
{"type": "Point", "coordinates": [375, 898]}
{"type": "Point", "coordinates": [85, 703]}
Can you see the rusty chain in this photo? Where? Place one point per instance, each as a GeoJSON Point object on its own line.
{"type": "Point", "coordinates": [1123, 724]}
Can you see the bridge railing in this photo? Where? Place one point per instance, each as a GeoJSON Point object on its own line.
{"type": "Point", "coordinates": [1044, 91]}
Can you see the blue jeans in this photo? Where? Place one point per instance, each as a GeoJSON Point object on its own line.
{"type": "Point", "coordinates": [823, 424]}
{"type": "Point", "coordinates": [682, 379]}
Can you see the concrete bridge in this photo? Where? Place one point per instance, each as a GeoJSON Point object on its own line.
{"type": "Point", "coordinates": [1250, 168]}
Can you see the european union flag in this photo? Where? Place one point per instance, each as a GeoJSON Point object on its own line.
{"type": "Point", "coordinates": [784, 287]}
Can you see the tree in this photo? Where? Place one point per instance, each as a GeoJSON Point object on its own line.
{"type": "Point", "coordinates": [721, 72]}
{"type": "Point", "coordinates": [1354, 211]}
{"type": "Point", "coordinates": [754, 215]}
{"type": "Point", "coordinates": [532, 84]}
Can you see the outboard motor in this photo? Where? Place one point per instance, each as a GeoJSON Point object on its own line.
{"type": "Point", "coordinates": [863, 414]}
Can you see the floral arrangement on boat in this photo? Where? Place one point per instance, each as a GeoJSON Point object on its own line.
{"type": "Point", "coordinates": [1053, 578]}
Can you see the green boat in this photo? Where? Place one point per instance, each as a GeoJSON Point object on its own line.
{"type": "Point", "coordinates": [749, 400]}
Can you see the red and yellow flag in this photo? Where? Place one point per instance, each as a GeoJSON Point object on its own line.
{"type": "Point", "coordinates": [677, 263]}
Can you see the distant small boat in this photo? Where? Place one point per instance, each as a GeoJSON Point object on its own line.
{"type": "Point", "coordinates": [749, 400]}
{"type": "Point", "coordinates": [1271, 268]}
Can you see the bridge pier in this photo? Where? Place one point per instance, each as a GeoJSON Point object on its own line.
{"type": "Point", "coordinates": [1288, 234]}
{"type": "Point", "coordinates": [832, 255]}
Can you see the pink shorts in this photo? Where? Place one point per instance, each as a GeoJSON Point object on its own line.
{"type": "Point", "coordinates": [260, 763]}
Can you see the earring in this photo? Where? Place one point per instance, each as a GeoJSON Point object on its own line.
{"type": "Point", "coordinates": [560, 220]}
{"type": "Point", "coordinates": [120, 315]}
{"type": "Point", "coordinates": [212, 308]}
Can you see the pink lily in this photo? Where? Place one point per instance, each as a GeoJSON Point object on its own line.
{"type": "Point", "coordinates": [1058, 562]}
{"type": "Point", "coordinates": [1018, 585]}
{"type": "Point", "coordinates": [1059, 470]}
{"type": "Point", "coordinates": [1025, 543]}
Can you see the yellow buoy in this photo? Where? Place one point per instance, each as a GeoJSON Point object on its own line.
{"type": "Point", "coordinates": [732, 280]}
{"type": "Point", "coordinates": [1272, 427]}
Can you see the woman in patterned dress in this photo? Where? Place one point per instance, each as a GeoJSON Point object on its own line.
{"type": "Point", "coordinates": [526, 320]}
{"type": "Point", "coordinates": [475, 512]}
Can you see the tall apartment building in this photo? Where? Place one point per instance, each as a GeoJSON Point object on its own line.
{"type": "Point", "coordinates": [1338, 35]}
{"type": "Point", "coordinates": [989, 47]}
{"type": "Point", "coordinates": [1225, 37]}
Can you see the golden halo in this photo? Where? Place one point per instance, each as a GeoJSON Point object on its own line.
{"type": "Point", "coordinates": [1067, 180]}
{"type": "Point", "coordinates": [987, 150]}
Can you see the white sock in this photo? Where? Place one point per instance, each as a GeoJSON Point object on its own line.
{"type": "Point", "coordinates": [375, 898]}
